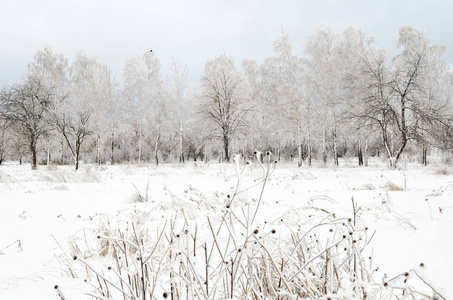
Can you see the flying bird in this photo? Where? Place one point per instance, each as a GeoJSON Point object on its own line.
{"type": "Point", "coordinates": [150, 50]}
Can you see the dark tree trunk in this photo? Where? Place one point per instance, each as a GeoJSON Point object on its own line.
{"type": "Point", "coordinates": [360, 156]}
{"type": "Point", "coordinates": [112, 146]}
{"type": "Point", "coordinates": [77, 156]}
{"type": "Point", "coordinates": [226, 143]}
{"type": "Point", "coordinates": [424, 160]}
{"type": "Point", "coordinates": [33, 156]}
{"type": "Point", "coordinates": [62, 152]}
{"type": "Point", "coordinates": [335, 150]}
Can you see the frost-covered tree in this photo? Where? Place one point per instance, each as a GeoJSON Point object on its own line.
{"type": "Point", "coordinates": [178, 84]}
{"type": "Point", "coordinates": [146, 96]}
{"type": "Point", "coordinates": [420, 87]}
{"type": "Point", "coordinates": [5, 138]}
{"type": "Point", "coordinates": [74, 116]}
{"type": "Point", "coordinates": [52, 69]}
{"type": "Point", "coordinates": [26, 105]}
{"type": "Point", "coordinates": [404, 97]}
{"type": "Point", "coordinates": [351, 49]}
{"type": "Point", "coordinates": [225, 101]}
{"type": "Point", "coordinates": [283, 93]}
{"type": "Point", "coordinates": [322, 76]}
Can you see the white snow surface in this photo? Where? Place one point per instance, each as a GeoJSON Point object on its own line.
{"type": "Point", "coordinates": [42, 210]}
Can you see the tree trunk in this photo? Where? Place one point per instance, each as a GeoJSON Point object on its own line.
{"type": "Point", "coordinates": [324, 147]}
{"type": "Point", "coordinates": [48, 156]}
{"type": "Point", "coordinates": [98, 149]}
{"type": "Point", "coordinates": [62, 152]}
{"type": "Point", "coordinates": [76, 158]}
{"type": "Point", "coordinates": [299, 145]}
{"type": "Point", "coordinates": [388, 148]}
{"type": "Point", "coordinates": [335, 150]}
{"type": "Point", "coordinates": [33, 156]}
{"type": "Point", "coordinates": [112, 147]}
{"type": "Point", "coordinates": [226, 144]}
{"type": "Point", "coordinates": [156, 148]}
{"type": "Point", "coordinates": [181, 132]}
{"type": "Point", "coordinates": [360, 156]}
{"type": "Point", "coordinates": [360, 153]}
{"type": "Point", "coordinates": [366, 153]}
{"type": "Point", "coordinates": [309, 146]}
{"type": "Point", "coordinates": [309, 131]}
{"type": "Point", "coordinates": [140, 146]}
{"type": "Point", "coordinates": [424, 160]}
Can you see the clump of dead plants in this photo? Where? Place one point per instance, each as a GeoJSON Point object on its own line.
{"type": "Point", "coordinates": [233, 254]}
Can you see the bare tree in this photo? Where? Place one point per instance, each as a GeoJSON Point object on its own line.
{"type": "Point", "coordinates": [225, 101]}
{"type": "Point", "coordinates": [73, 116]}
{"type": "Point", "coordinates": [178, 78]}
{"type": "Point", "coordinates": [26, 105]}
{"type": "Point", "coordinates": [403, 98]}
{"type": "Point", "coordinates": [5, 138]}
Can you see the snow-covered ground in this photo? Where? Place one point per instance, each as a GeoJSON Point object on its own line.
{"type": "Point", "coordinates": [42, 212]}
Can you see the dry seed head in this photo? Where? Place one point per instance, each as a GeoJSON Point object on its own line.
{"type": "Point", "coordinates": [255, 231]}
{"type": "Point", "coordinates": [55, 287]}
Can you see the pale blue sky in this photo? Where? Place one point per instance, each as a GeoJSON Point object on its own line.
{"type": "Point", "coordinates": [195, 31]}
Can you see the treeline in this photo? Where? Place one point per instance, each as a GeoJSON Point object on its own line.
{"type": "Point", "coordinates": [343, 97]}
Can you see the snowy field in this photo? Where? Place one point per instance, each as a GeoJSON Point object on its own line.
{"type": "Point", "coordinates": [49, 215]}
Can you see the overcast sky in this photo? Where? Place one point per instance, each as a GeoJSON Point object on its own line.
{"type": "Point", "coordinates": [196, 31]}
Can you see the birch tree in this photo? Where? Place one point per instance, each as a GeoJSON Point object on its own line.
{"type": "Point", "coordinates": [178, 83]}
{"type": "Point", "coordinates": [74, 116]}
{"type": "Point", "coordinates": [321, 73]}
{"type": "Point", "coordinates": [283, 91]}
{"type": "Point", "coordinates": [225, 102]}
{"type": "Point", "coordinates": [146, 96]}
